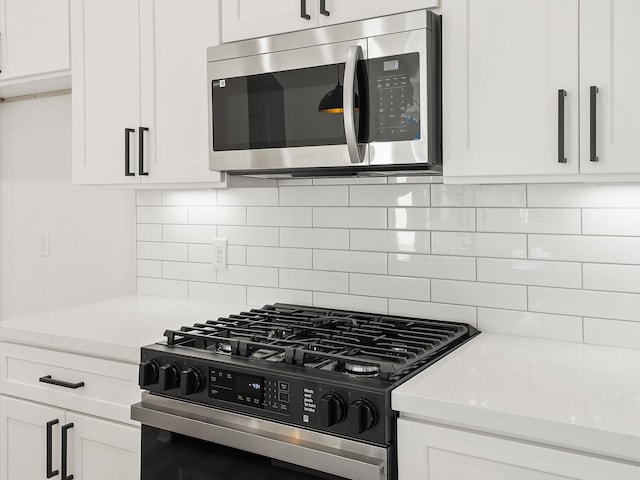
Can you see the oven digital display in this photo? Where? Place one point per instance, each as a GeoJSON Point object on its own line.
{"type": "Point", "coordinates": [249, 385]}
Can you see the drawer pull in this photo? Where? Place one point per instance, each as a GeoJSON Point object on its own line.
{"type": "Point", "coordinates": [60, 383]}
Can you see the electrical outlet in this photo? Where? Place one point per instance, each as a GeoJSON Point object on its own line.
{"type": "Point", "coordinates": [219, 253]}
{"type": "Point", "coordinates": [43, 243]}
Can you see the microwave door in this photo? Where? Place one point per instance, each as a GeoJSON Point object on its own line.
{"type": "Point", "coordinates": [266, 109]}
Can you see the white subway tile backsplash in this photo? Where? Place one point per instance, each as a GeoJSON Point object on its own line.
{"type": "Point", "coordinates": [529, 220]}
{"type": "Point", "coordinates": [586, 303]}
{"type": "Point", "coordinates": [512, 297]}
{"type": "Point", "coordinates": [149, 268]}
{"type": "Point", "coordinates": [218, 215]}
{"type": "Point", "coordinates": [613, 333]}
{"type": "Point", "coordinates": [260, 296]}
{"type": "Point", "coordinates": [549, 261]}
{"type": "Point", "coordinates": [162, 287]}
{"type": "Point", "coordinates": [162, 215]}
{"type": "Point", "coordinates": [389, 195]}
{"type": "Point", "coordinates": [149, 232]}
{"type": "Point", "coordinates": [261, 196]}
{"type": "Point", "coordinates": [432, 266]}
{"type": "Point", "coordinates": [280, 216]}
{"type": "Point", "coordinates": [216, 292]}
{"type": "Point", "coordinates": [390, 241]}
{"type": "Point", "coordinates": [349, 261]}
{"type": "Point", "coordinates": [188, 233]}
{"type": "Point", "coordinates": [314, 196]}
{"type": "Point", "coordinates": [189, 197]}
{"type": "Point", "coordinates": [576, 248]}
{"type": "Point", "coordinates": [530, 324]}
{"type": "Point", "coordinates": [162, 251]}
{"type": "Point", "coordinates": [408, 288]}
{"type": "Point", "coordinates": [478, 195]}
{"type": "Point", "coordinates": [614, 278]}
{"type": "Point", "coordinates": [434, 311]}
{"type": "Point", "coordinates": [451, 219]}
{"type": "Point", "coordinates": [280, 257]}
{"type": "Point", "coordinates": [315, 280]}
{"type": "Point", "coordinates": [148, 197]}
{"type": "Point", "coordinates": [351, 217]}
{"type": "Point", "coordinates": [506, 245]}
{"type": "Point", "coordinates": [249, 275]}
{"type": "Point", "coordinates": [529, 272]}
{"type": "Point", "coordinates": [314, 238]}
{"type": "Point", "coordinates": [350, 302]}
{"type": "Point", "coordinates": [266, 236]}
{"type": "Point", "coordinates": [583, 196]}
{"type": "Point", "coordinates": [198, 272]}
{"type": "Point", "coordinates": [611, 222]}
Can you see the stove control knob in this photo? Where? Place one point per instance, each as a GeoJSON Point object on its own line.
{"type": "Point", "coordinates": [332, 409]}
{"type": "Point", "coordinates": [190, 381]}
{"type": "Point", "coordinates": [169, 376]}
{"type": "Point", "coordinates": [362, 416]}
{"type": "Point", "coordinates": [148, 374]}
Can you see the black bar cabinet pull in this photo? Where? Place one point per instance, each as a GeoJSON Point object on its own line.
{"type": "Point", "coordinates": [561, 95]}
{"type": "Point", "coordinates": [323, 8]}
{"type": "Point", "coordinates": [593, 93]}
{"type": "Point", "coordinates": [127, 152]}
{"type": "Point", "coordinates": [141, 131]}
{"type": "Point", "coordinates": [63, 462]}
{"type": "Point", "coordinates": [303, 10]}
{"type": "Point", "coordinates": [50, 472]}
{"type": "Point", "coordinates": [60, 383]}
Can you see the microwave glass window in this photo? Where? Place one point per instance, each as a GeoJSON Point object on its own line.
{"type": "Point", "coordinates": [171, 456]}
{"type": "Point", "coordinates": [394, 86]}
{"type": "Point", "coordinates": [278, 110]}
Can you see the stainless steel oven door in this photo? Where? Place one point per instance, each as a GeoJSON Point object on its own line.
{"type": "Point", "coordinates": [264, 109]}
{"type": "Point", "coordinates": [184, 441]}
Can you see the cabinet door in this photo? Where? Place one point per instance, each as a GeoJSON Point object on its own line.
{"type": "Point", "coordinates": [174, 89]}
{"type": "Point", "coordinates": [102, 450]}
{"type": "Point", "coordinates": [429, 452]}
{"type": "Point", "coordinates": [34, 37]}
{"type": "Point", "coordinates": [106, 89]}
{"type": "Point", "coordinates": [23, 439]}
{"type": "Point", "coordinates": [242, 19]}
{"type": "Point", "coordinates": [609, 60]}
{"type": "Point", "coordinates": [340, 11]}
{"type": "Point", "coordinates": [504, 62]}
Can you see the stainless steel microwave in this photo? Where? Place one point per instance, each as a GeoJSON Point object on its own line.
{"type": "Point", "coordinates": [350, 99]}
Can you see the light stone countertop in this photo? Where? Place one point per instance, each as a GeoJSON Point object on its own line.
{"type": "Point", "coordinates": [570, 395]}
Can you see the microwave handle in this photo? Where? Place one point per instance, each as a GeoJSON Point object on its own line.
{"type": "Point", "coordinates": [356, 151]}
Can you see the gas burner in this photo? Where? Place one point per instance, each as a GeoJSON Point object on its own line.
{"type": "Point", "coordinates": [224, 348]}
{"type": "Point", "coordinates": [358, 369]}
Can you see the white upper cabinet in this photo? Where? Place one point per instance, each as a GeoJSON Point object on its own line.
{"type": "Point", "coordinates": [340, 11]}
{"type": "Point", "coordinates": [504, 64]}
{"type": "Point", "coordinates": [140, 96]}
{"type": "Point", "coordinates": [34, 43]}
{"type": "Point", "coordinates": [174, 92]}
{"type": "Point", "coordinates": [106, 90]}
{"type": "Point", "coordinates": [243, 19]}
{"type": "Point", "coordinates": [610, 62]}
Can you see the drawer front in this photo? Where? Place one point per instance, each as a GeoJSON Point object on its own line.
{"type": "Point", "coordinates": [99, 387]}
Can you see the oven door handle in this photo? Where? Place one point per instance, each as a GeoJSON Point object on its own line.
{"type": "Point", "coordinates": [356, 466]}
{"type": "Point", "coordinates": [356, 151]}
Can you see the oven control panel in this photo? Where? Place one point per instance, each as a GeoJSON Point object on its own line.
{"type": "Point", "coordinates": [343, 408]}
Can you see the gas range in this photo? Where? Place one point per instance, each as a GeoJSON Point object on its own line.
{"type": "Point", "coordinates": [329, 371]}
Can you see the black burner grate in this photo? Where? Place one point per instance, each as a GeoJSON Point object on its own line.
{"type": "Point", "coordinates": [360, 344]}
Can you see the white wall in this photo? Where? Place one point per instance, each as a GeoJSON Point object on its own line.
{"type": "Point", "coordinates": [91, 231]}
{"type": "Point", "coordinates": [551, 261]}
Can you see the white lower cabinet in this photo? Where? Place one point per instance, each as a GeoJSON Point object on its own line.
{"type": "Point", "coordinates": [79, 399]}
{"type": "Point", "coordinates": [430, 452]}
